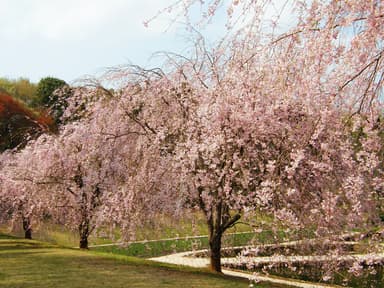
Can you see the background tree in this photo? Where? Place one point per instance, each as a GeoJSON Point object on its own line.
{"type": "Point", "coordinates": [51, 93]}
{"type": "Point", "coordinates": [75, 173]}
{"type": "Point", "coordinates": [21, 89]}
{"type": "Point", "coordinates": [18, 126]}
{"type": "Point", "coordinates": [18, 195]}
{"type": "Point", "coordinates": [45, 89]}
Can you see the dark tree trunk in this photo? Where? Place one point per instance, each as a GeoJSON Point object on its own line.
{"type": "Point", "coordinates": [27, 228]}
{"type": "Point", "coordinates": [84, 233]}
{"type": "Point", "coordinates": [84, 230]}
{"type": "Point", "coordinates": [84, 242]}
{"type": "Point", "coordinates": [87, 207]}
{"type": "Point", "coordinates": [215, 251]}
{"type": "Point", "coordinates": [219, 219]}
{"type": "Point", "coordinates": [214, 221]}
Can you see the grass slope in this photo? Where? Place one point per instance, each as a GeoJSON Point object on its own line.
{"type": "Point", "coordinates": [36, 264]}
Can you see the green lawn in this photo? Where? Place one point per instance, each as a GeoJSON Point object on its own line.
{"type": "Point", "coordinates": [35, 264]}
{"type": "Point", "coordinates": [163, 247]}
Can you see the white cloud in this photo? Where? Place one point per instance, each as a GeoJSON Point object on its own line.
{"type": "Point", "coordinates": [70, 38]}
{"type": "Point", "coordinates": [61, 20]}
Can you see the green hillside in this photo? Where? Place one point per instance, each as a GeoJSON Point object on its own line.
{"type": "Point", "coordinates": [36, 264]}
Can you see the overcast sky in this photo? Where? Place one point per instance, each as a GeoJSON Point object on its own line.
{"type": "Point", "coordinates": [72, 38]}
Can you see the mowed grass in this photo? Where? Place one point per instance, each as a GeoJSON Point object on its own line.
{"type": "Point", "coordinates": [164, 247]}
{"type": "Point", "coordinates": [32, 264]}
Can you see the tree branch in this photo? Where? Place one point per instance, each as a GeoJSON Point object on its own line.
{"type": "Point", "coordinates": [231, 222]}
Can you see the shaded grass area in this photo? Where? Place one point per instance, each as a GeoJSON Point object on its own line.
{"type": "Point", "coordinates": [166, 226]}
{"type": "Point", "coordinates": [4, 236]}
{"type": "Point", "coordinates": [36, 264]}
{"type": "Point", "coordinates": [156, 248]}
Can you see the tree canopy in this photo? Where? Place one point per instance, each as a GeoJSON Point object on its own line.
{"type": "Point", "coordinates": [21, 89]}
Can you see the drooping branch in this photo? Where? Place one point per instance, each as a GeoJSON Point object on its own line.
{"type": "Point", "coordinates": [317, 29]}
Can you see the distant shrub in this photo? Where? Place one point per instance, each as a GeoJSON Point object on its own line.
{"type": "Point", "coordinates": [18, 124]}
{"type": "Point", "coordinates": [45, 90]}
